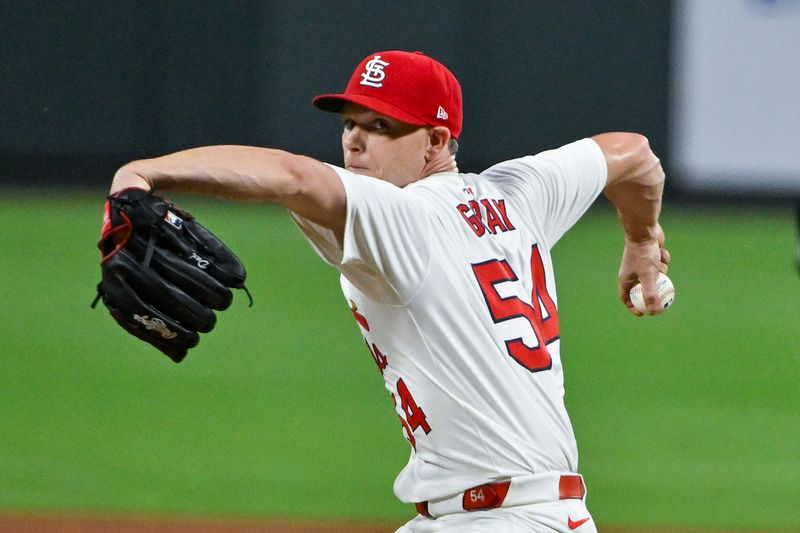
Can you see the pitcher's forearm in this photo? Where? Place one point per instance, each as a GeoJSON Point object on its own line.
{"type": "Point", "coordinates": [635, 183]}
{"type": "Point", "coordinates": [638, 204]}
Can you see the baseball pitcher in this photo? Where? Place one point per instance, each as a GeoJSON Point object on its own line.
{"type": "Point", "coordinates": [449, 279]}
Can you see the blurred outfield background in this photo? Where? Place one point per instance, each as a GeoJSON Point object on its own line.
{"type": "Point", "coordinates": [689, 419]}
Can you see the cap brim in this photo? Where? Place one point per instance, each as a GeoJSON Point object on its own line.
{"type": "Point", "coordinates": [334, 103]}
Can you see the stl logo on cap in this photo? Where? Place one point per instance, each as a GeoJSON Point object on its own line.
{"type": "Point", "coordinates": [373, 74]}
{"type": "Point", "coordinates": [415, 89]}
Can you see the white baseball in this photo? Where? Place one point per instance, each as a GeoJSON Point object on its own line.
{"type": "Point", "coordinates": [666, 294]}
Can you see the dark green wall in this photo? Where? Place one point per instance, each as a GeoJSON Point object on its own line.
{"type": "Point", "coordinates": [86, 86]}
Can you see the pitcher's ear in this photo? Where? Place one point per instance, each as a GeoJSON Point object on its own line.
{"type": "Point", "coordinates": [438, 138]}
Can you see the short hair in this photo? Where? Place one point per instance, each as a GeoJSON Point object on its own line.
{"type": "Point", "coordinates": [452, 145]}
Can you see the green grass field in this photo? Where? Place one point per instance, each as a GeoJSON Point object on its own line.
{"type": "Point", "coordinates": [691, 418]}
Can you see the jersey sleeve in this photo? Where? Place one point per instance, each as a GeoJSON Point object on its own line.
{"type": "Point", "coordinates": [558, 185]}
{"type": "Point", "coordinates": [384, 251]}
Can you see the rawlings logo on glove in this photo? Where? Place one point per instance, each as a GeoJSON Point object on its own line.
{"type": "Point", "coordinates": [163, 274]}
{"type": "Point", "coordinates": [156, 324]}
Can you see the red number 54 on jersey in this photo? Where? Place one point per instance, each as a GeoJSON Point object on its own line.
{"type": "Point", "coordinates": [541, 313]}
{"type": "Point", "coordinates": [413, 416]}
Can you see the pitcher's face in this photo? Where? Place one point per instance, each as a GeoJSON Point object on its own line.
{"type": "Point", "coordinates": [382, 147]}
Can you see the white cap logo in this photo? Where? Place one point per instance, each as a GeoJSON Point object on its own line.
{"type": "Point", "coordinates": [374, 74]}
{"type": "Point", "coordinates": [441, 113]}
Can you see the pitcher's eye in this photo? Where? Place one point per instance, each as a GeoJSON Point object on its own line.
{"type": "Point", "coordinates": [380, 125]}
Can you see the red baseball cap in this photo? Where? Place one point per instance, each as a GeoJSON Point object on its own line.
{"type": "Point", "coordinates": [408, 86]}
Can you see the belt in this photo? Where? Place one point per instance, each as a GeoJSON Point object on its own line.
{"type": "Point", "coordinates": [521, 490]}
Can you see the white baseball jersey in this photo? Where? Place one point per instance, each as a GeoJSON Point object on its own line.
{"type": "Point", "coordinates": [451, 282]}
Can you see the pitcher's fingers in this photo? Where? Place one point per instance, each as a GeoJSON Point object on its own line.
{"type": "Point", "coordinates": [625, 287]}
{"type": "Point", "coordinates": [650, 294]}
{"type": "Point", "coordinates": [665, 257]}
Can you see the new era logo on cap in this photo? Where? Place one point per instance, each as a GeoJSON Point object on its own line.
{"type": "Point", "coordinates": [407, 86]}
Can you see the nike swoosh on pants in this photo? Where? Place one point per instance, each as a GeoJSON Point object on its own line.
{"type": "Point", "coordinates": [575, 524]}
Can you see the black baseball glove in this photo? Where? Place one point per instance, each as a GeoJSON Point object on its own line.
{"type": "Point", "coordinates": [163, 274]}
